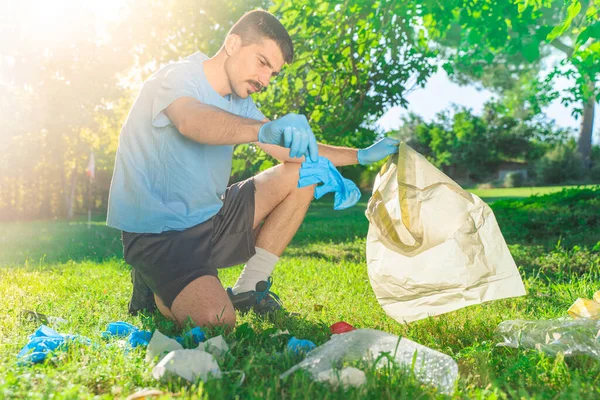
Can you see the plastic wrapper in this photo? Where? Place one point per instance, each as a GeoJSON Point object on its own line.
{"type": "Point", "coordinates": [585, 308]}
{"type": "Point", "coordinates": [430, 366]}
{"type": "Point", "coordinates": [187, 364]}
{"type": "Point", "coordinates": [566, 336]}
{"type": "Point", "coordinates": [433, 247]}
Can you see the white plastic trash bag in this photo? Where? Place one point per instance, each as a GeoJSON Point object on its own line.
{"type": "Point", "coordinates": [433, 247]}
{"type": "Point", "coordinates": [188, 364]}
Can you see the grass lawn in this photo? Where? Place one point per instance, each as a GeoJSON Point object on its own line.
{"type": "Point", "coordinates": [491, 195]}
{"type": "Point", "coordinates": [78, 274]}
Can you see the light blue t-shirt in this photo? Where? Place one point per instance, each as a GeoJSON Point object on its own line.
{"type": "Point", "coordinates": [162, 180]}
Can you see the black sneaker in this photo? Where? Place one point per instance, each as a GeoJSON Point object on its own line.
{"type": "Point", "coordinates": [142, 297]}
{"type": "Point", "coordinates": [261, 300]}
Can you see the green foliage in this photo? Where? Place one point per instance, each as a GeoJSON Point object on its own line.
{"type": "Point", "coordinates": [459, 140]}
{"type": "Point", "coordinates": [571, 216]}
{"type": "Point", "coordinates": [501, 44]}
{"type": "Point", "coordinates": [352, 60]}
{"type": "Point", "coordinates": [513, 180]}
{"type": "Point", "coordinates": [560, 164]}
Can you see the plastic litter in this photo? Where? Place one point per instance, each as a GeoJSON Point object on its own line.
{"type": "Point", "coordinates": [433, 247]}
{"type": "Point", "coordinates": [566, 336]}
{"type": "Point", "coordinates": [188, 364]}
{"type": "Point", "coordinates": [119, 329]}
{"type": "Point", "coordinates": [348, 376]}
{"type": "Point", "coordinates": [430, 366]}
{"type": "Point", "coordinates": [300, 346]}
{"type": "Point", "coordinates": [585, 308]}
{"type": "Point", "coordinates": [43, 341]}
{"type": "Point", "coordinates": [279, 333]}
{"type": "Point", "coordinates": [215, 346]}
{"type": "Point", "coordinates": [323, 171]}
{"type": "Point", "coordinates": [196, 335]}
{"type": "Point", "coordinates": [160, 345]}
{"type": "Point", "coordinates": [341, 327]}
{"type": "Point", "coordinates": [139, 338]}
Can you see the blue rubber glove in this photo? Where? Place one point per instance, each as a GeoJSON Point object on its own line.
{"type": "Point", "coordinates": [293, 132]}
{"type": "Point", "coordinates": [378, 151]}
{"type": "Point", "coordinates": [323, 171]}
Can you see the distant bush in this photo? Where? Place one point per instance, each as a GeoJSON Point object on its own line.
{"type": "Point", "coordinates": [571, 216]}
{"type": "Point", "coordinates": [514, 180]}
{"type": "Point", "coordinates": [559, 165]}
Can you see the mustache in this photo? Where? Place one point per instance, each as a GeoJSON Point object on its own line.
{"type": "Point", "coordinates": [256, 85]}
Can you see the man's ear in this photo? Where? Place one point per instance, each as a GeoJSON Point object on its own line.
{"type": "Point", "coordinates": [232, 44]}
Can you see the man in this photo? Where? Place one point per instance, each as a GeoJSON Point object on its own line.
{"type": "Point", "coordinates": [169, 191]}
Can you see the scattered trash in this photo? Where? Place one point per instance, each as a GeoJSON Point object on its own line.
{"type": "Point", "coordinates": [348, 376]}
{"type": "Point", "coordinates": [40, 318]}
{"type": "Point", "coordinates": [145, 393]}
{"type": "Point", "coordinates": [56, 321]}
{"type": "Point", "coordinates": [43, 341]}
{"type": "Point", "coordinates": [566, 336]}
{"type": "Point", "coordinates": [195, 335]}
{"type": "Point", "coordinates": [188, 364]}
{"type": "Point", "coordinates": [135, 337]}
{"type": "Point", "coordinates": [279, 333]}
{"type": "Point", "coordinates": [300, 346]}
{"type": "Point", "coordinates": [429, 366]}
{"type": "Point", "coordinates": [341, 327]}
{"type": "Point", "coordinates": [119, 329]}
{"type": "Point", "coordinates": [215, 346]}
{"type": "Point", "coordinates": [433, 247]}
{"type": "Point", "coordinates": [585, 308]}
{"type": "Point", "coordinates": [160, 345]}
{"type": "Point", "coordinates": [139, 338]}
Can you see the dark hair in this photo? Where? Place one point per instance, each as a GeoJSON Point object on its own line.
{"type": "Point", "coordinates": [256, 25]}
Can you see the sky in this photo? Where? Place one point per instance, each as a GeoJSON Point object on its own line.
{"type": "Point", "coordinates": [439, 93]}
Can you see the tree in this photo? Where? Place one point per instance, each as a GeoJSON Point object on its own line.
{"type": "Point", "coordinates": [508, 39]}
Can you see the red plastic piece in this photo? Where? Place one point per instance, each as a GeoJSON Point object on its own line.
{"type": "Point", "coordinates": [341, 327]}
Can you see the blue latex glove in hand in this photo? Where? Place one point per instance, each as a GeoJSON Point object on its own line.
{"type": "Point", "coordinates": [378, 151]}
{"type": "Point", "coordinates": [293, 132]}
{"type": "Point", "coordinates": [323, 171]}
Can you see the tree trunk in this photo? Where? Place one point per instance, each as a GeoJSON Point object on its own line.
{"type": "Point", "coordinates": [70, 200]}
{"type": "Point", "coordinates": [584, 143]}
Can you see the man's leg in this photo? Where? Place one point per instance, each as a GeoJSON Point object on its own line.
{"type": "Point", "coordinates": [282, 206]}
{"type": "Point", "coordinates": [204, 301]}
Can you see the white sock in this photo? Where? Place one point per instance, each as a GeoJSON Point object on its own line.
{"type": "Point", "coordinates": [258, 268]}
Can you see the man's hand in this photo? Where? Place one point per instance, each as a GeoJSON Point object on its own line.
{"type": "Point", "coordinates": [293, 132]}
{"type": "Point", "coordinates": [378, 151]}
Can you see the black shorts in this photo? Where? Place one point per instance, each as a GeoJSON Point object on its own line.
{"type": "Point", "coordinates": [167, 262]}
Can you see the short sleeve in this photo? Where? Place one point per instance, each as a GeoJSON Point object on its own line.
{"type": "Point", "coordinates": [253, 112]}
{"type": "Point", "coordinates": [175, 83]}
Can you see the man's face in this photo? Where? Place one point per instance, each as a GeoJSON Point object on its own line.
{"type": "Point", "coordinates": [250, 68]}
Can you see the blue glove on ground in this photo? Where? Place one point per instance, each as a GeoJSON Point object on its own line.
{"type": "Point", "coordinates": [293, 132]}
{"type": "Point", "coordinates": [323, 171]}
{"type": "Point", "coordinates": [300, 346]}
{"type": "Point", "coordinates": [378, 151]}
{"type": "Point", "coordinates": [43, 341]}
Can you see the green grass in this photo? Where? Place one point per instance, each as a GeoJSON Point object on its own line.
{"type": "Point", "coordinates": [63, 269]}
{"type": "Point", "coordinates": [490, 195]}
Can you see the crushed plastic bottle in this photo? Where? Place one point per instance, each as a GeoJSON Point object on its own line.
{"type": "Point", "coordinates": [553, 336]}
{"type": "Point", "coordinates": [430, 366]}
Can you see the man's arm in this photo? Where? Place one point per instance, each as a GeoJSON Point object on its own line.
{"type": "Point", "coordinates": [211, 125]}
{"type": "Point", "coordinates": [338, 156]}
